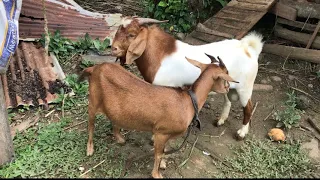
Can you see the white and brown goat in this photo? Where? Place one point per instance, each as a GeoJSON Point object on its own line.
{"type": "Point", "coordinates": [132, 103]}
{"type": "Point", "coordinates": [161, 60]}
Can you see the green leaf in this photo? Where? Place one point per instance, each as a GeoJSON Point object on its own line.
{"type": "Point", "coordinates": [162, 4]}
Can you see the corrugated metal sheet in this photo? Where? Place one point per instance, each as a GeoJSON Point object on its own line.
{"type": "Point", "coordinates": [29, 80]}
{"type": "Point", "coordinates": [67, 16]}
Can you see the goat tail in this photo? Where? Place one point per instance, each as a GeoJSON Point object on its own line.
{"type": "Point", "coordinates": [85, 73]}
{"type": "Point", "coordinates": [254, 42]}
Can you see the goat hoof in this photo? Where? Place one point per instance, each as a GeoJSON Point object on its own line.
{"type": "Point", "coordinates": [157, 175]}
{"type": "Point", "coordinates": [90, 152]}
{"type": "Point", "coordinates": [239, 138]}
{"type": "Point", "coordinates": [163, 164]}
{"type": "Point", "coordinates": [217, 124]}
{"type": "Point", "coordinates": [121, 141]}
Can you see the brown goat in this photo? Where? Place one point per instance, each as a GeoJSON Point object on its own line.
{"type": "Point", "coordinates": [132, 103]}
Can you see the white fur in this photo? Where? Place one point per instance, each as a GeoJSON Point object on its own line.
{"type": "Point", "coordinates": [175, 70]}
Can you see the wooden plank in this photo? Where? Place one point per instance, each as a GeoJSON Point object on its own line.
{"type": "Point", "coordinates": [249, 26]}
{"type": "Point", "coordinates": [205, 37]}
{"type": "Point", "coordinates": [297, 24]}
{"type": "Point", "coordinates": [204, 29]}
{"type": "Point", "coordinates": [284, 11]}
{"type": "Point", "coordinates": [250, 6]}
{"type": "Point", "coordinates": [293, 52]}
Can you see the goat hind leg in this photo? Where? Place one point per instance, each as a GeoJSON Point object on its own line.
{"type": "Point", "coordinates": [90, 147]}
{"type": "Point", "coordinates": [116, 132]}
{"type": "Point", "coordinates": [225, 111]}
{"type": "Point", "coordinates": [247, 113]}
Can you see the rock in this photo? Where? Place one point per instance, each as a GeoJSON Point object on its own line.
{"type": "Point", "coordinates": [310, 86]}
{"type": "Point", "coordinates": [264, 81]}
{"type": "Point", "coordinates": [291, 77]}
{"type": "Point", "coordinates": [313, 147]}
{"type": "Point", "coordinates": [276, 78]}
{"type": "Point", "coordinates": [206, 105]}
{"type": "Point", "coordinates": [181, 36]}
{"type": "Point", "coordinates": [303, 102]}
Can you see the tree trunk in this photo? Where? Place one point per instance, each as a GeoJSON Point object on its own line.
{"type": "Point", "coordinates": [304, 9]}
{"type": "Point", "coordinates": [6, 145]}
{"type": "Point", "coordinates": [297, 37]}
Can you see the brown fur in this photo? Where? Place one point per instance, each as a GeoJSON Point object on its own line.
{"type": "Point", "coordinates": [159, 39]}
{"type": "Point", "coordinates": [132, 103]}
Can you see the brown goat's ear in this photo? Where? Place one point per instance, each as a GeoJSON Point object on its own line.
{"type": "Point", "coordinates": [226, 77]}
{"type": "Point", "coordinates": [211, 58]}
{"type": "Point", "coordinates": [137, 46]}
{"type": "Point", "coordinates": [198, 64]}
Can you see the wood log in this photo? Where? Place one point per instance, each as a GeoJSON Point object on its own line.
{"type": "Point", "coordinates": [313, 35]}
{"type": "Point", "coordinates": [293, 52]}
{"type": "Point", "coordinates": [285, 11]}
{"type": "Point", "coordinates": [304, 9]}
{"type": "Point", "coordinates": [297, 24]}
{"type": "Point", "coordinates": [6, 144]}
{"type": "Point", "coordinates": [297, 37]}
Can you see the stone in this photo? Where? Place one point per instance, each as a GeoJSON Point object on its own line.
{"type": "Point", "coordinates": [303, 102]}
{"type": "Point", "coordinates": [264, 81]}
{"type": "Point", "coordinates": [310, 86]}
{"type": "Point", "coordinates": [181, 36]}
{"type": "Point", "coordinates": [276, 78]}
{"type": "Point", "coordinates": [291, 77]}
{"type": "Point", "coordinates": [313, 148]}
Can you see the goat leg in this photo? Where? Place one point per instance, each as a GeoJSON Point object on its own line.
{"type": "Point", "coordinates": [247, 113]}
{"type": "Point", "coordinates": [90, 148]}
{"type": "Point", "coordinates": [159, 144]}
{"type": "Point", "coordinates": [116, 132]}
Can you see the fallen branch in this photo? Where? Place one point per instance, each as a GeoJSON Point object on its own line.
{"type": "Point", "coordinates": [304, 93]}
{"type": "Point", "coordinates": [75, 125]}
{"type": "Point", "coordinates": [254, 109]}
{"type": "Point", "coordinates": [313, 35]}
{"type": "Point", "coordinates": [47, 37]}
{"type": "Point", "coordinates": [269, 114]}
{"type": "Point", "coordinates": [314, 125]}
{"type": "Point", "coordinates": [92, 168]}
{"type": "Point", "coordinates": [48, 114]}
{"type": "Point", "coordinates": [185, 161]}
{"type": "Point", "coordinates": [23, 126]}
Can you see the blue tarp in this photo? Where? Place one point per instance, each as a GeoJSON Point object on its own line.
{"type": "Point", "coordinates": [9, 30]}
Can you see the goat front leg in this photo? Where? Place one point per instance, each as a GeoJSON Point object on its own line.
{"type": "Point", "coordinates": [159, 144]}
{"type": "Point", "coordinates": [90, 148]}
{"type": "Point", "coordinates": [247, 113]}
{"type": "Point", "coordinates": [225, 111]}
{"type": "Point", "coordinates": [116, 132]}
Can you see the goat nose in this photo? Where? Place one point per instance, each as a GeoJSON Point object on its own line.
{"type": "Point", "coordinates": [114, 48]}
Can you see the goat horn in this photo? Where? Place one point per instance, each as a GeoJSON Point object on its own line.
{"type": "Point", "coordinates": [149, 20]}
{"type": "Point", "coordinates": [221, 63]}
{"type": "Point", "coordinates": [211, 58]}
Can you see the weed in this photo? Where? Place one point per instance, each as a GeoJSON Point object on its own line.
{"type": "Point", "coordinates": [264, 159]}
{"type": "Point", "coordinates": [290, 116]}
{"type": "Point", "coordinates": [64, 48]}
{"type": "Point", "coordinates": [11, 114]}
{"type": "Point", "coordinates": [85, 64]}
{"type": "Point", "coordinates": [50, 151]}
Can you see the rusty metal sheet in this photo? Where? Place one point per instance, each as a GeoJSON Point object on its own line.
{"type": "Point", "coordinates": [29, 80]}
{"type": "Point", "coordinates": [71, 19]}
{"type": "Point", "coordinates": [234, 20]}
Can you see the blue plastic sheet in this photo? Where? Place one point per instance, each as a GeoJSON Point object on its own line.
{"type": "Point", "coordinates": [9, 30]}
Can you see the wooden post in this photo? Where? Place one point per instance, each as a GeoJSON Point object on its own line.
{"type": "Point", "coordinates": [6, 144]}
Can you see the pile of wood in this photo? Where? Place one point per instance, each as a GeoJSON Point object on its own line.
{"type": "Point", "coordinates": [297, 21]}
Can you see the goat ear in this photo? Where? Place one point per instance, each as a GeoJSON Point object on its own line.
{"type": "Point", "coordinates": [211, 58]}
{"type": "Point", "coordinates": [197, 64]}
{"type": "Point", "coordinates": [137, 46]}
{"type": "Point", "coordinates": [226, 77]}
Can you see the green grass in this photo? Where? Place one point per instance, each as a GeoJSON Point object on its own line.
{"type": "Point", "coordinates": [50, 151]}
{"type": "Point", "coordinates": [266, 159]}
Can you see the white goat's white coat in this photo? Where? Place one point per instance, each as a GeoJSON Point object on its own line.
{"type": "Point", "coordinates": [175, 70]}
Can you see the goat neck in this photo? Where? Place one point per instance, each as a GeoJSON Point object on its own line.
{"type": "Point", "coordinates": [203, 85]}
{"type": "Point", "coordinates": [159, 45]}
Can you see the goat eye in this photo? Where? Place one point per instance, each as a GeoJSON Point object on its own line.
{"type": "Point", "coordinates": [131, 35]}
